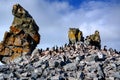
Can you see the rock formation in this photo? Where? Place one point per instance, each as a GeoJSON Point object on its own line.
{"type": "Point", "coordinates": [95, 40]}
{"type": "Point", "coordinates": [22, 38]}
{"type": "Point", "coordinates": [75, 35]}
{"type": "Point", "coordinates": [70, 62]}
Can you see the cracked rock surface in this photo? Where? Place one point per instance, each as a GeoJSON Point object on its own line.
{"type": "Point", "coordinates": [22, 38]}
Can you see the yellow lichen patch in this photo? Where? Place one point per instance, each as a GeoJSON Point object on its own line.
{"type": "Point", "coordinates": [7, 51]}
{"type": "Point", "coordinates": [79, 35]}
{"type": "Point", "coordinates": [14, 30]}
{"type": "Point", "coordinates": [26, 50]}
{"type": "Point", "coordinates": [11, 41]}
{"type": "Point", "coordinates": [2, 52]}
{"type": "Point", "coordinates": [71, 36]}
{"type": "Point", "coordinates": [36, 37]}
{"type": "Point", "coordinates": [1, 46]}
{"type": "Point", "coordinates": [14, 56]}
{"type": "Point", "coordinates": [18, 41]}
{"type": "Point", "coordinates": [17, 50]}
{"type": "Point", "coordinates": [75, 35]}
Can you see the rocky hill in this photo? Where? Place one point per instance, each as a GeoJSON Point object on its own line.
{"type": "Point", "coordinates": [70, 62]}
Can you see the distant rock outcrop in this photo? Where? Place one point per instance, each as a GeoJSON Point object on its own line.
{"type": "Point", "coordinates": [22, 38]}
{"type": "Point", "coordinates": [75, 35]}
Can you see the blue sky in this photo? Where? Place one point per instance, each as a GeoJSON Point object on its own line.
{"type": "Point", "coordinates": [55, 17]}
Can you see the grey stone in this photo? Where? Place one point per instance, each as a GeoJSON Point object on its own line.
{"type": "Point", "coordinates": [41, 78]}
{"type": "Point", "coordinates": [17, 60]}
{"type": "Point", "coordinates": [34, 75]}
{"type": "Point", "coordinates": [35, 52]}
{"type": "Point", "coordinates": [45, 73]}
{"type": "Point", "coordinates": [38, 71]}
{"type": "Point", "coordinates": [95, 78]}
{"type": "Point", "coordinates": [82, 63]}
{"type": "Point", "coordinates": [43, 66]}
{"type": "Point", "coordinates": [118, 62]}
{"type": "Point", "coordinates": [1, 76]}
{"type": "Point", "coordinates": [72, 74]}
{"type": "Point", "coordinates": [53, 63]}
{"type": "Point", "coordinates": [16, 74]}
{"type": "Point", "coordinates": [116, 75]}
{"type": "Point", "coordinates": [14, 78]}
{"type": "Point", "coordinates": [24, 74]}
{"type": "Point", "coordinates": [100, 72]}
{"type": "Point", "coordinates": [71, 78]}
{"type": "Point", "coordinates": [20, 70]}
{"type": "Point", "coordinates": [90, 68]}
{"type": "Point", "coordinates": [110, 78]}
{"type": "Point", "coordinates": [93, 75]}
{"type": "Point", "coordinates": [11, 75]}
{"type": "Point", "coordinates": [44, 58]}
{"type": "Point", "coordinates": [52, 73]}
{"type": "Point", "coordinates": [25, 78]}
{"type": "Point", "coordinates": [56, 77]}
{"type": "Point", "coordinates": [6, 60]}
{"type": "Point", "coordinates": [1, 64]}
{"type": "Point", "coordinates": [61, 78]}
{"type": "Point", "coordinates": [30, 68]}
{"type": "Point", "coordinates": [77, 59]}
{"type": "Point", "coordinates": [113, 66]}
{"type": "Point", "coordinates": [6, 76]}
{"type": "Point", "coordinates": [46, 64]}
{"type": "Point", "coordinates": [70, 66]}
{"type": "Point", "coordinates": [118, 68]}
{"type": "Point", "coordinates": [37, 64]}
{"type": "Point", "coordinates": [78, 74]}
{"type": "Point", "coordinates": [91, 58]}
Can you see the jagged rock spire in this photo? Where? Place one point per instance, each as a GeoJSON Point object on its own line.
{"type": "Point", "coordinates": [22, 38]}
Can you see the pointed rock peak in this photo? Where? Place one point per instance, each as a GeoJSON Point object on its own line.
{"type": "Point", "coordinates": [19, 11]}
{"type": "Point", "coordinates": [22, 37]}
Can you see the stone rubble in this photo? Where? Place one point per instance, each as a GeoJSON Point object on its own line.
{"type": "Point", "coordinates": [71, 62]}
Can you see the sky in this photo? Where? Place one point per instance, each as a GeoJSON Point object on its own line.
{"type": "Point", "coordinates": [55, 17]}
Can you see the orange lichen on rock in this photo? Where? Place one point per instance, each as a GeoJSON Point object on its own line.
{"type": "Point", "coordinates": [18, 41]}
{"type": "Point", "coordinates": [14, 56]}
{"type": "Point", "coordinates": [1, 46]}
{"type": "Point", "coordinates": [17, 50]}
{"type": "Point", "coordinates": [11, 40]}
{"type": "Point", "coordinates": [36, 37]}
{"type": "Point", "coordinates": [14, 30]}
{"type": "Point", "coordinates": [22, 37]}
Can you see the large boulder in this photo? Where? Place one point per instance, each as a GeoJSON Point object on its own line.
{"type": "Point", "coordinates": [75, 35]}
{"type": "Point", "coordinates": [22, 37]}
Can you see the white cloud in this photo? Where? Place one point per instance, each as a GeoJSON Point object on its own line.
{"type": "Point", "coordinates": [55, 18]}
